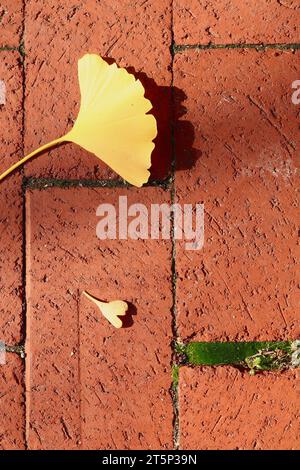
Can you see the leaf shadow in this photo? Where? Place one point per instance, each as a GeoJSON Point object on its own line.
{"type": "Point", "coordinates": [168, 109]}
{"type": "Point", "coordinates": [128, 319]}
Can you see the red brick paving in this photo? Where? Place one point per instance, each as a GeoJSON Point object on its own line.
{"type": "Point", "coordinates": [11, 16]}
{"type": "Point", "coordinates": [90, 385]}
{"type": "Point", "coordinates": [12, 407]}
{"type": "Point", "coordinates": [107, 28]}
{"type": "Point", "coordinates": [11, 111]}
{"type": "Point", "coordinates": [11, 201]}
{"type": "Point", "coordinates": [236, 21]}
{"type": "Point", "coordinates": [221, 408]}
{"type": "Point", "coordinates": [246, 173]}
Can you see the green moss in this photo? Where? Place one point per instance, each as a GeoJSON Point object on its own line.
{"type": "Point", "coordinates": [175, 377]}
{"type": "Point", "coordinates": [274, 358]}
{"type": "Point", "coordinates": [212, 354]}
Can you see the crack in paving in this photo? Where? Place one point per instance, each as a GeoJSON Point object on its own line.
{"type": "Point", "coordinates": [16, 349]}
{"type": "Point", "coordinates": [46, 183]}
{"type": "Point", "coordinates": [175, 369]}
{"type": "Point", "coordinates": [177, 48]}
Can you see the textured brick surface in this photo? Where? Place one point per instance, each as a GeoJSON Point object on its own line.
{"type": "Point", "coordinates": [10, 22]}
{"type": "Point", "coordinates": [224, 409]}
{"type": "Point", "coordinates": [90, 385]}
{"type": "Point", "coordinates": [11, 109]}
{"type": "Point", "coordinates": [10, 200]}
{"type": "Point", "coordinates": [232, 22]}
{"type": "Point", "coordinates": [244, 284]}
{"type": "Point", "coordinates": [12, 408]}
{"type": "Point", "coordinates": [135, 34]}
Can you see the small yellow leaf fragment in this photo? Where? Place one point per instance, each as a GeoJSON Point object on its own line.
{"type": "Point", "coordinates": [110, 310]}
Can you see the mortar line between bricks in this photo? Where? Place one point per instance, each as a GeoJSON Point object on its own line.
{"type": "Point", "coordinates": [173, 268]}
{"type": "Point", "coordinates": [178, 48]}
{"type": "Point", "coordinates": [19, 48]}
{"type": "Point", "coordinates": [9, 48]}
{"type": "Point", "coordinates": [24, 221]}
{"type": "Point", "coordinates": [16, 349]}
{"type": "Point", "coordinates": [46, 183]}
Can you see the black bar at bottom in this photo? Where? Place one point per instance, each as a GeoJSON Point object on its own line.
{"type": "Point", "coordinates": [134, 459]}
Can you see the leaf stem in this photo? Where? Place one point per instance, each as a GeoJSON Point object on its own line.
{"type": "Point", "coordinates": [90, 297]}
{"type": "Point", "coordinates": [31, 155]}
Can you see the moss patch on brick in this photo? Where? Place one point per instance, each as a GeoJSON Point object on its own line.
{"type": "Point", "coordinates": [257, 355]}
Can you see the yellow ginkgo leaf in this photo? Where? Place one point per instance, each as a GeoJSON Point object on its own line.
{"type": "Point", "coordinates": [110, 310]}
{"type": "Point", "coordinates": [112, 122]}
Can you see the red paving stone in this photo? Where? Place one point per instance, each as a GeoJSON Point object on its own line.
{"type": "Point", "coordinates": [236, 21]}
{"type": "Point", "coordinates": [244, 283]}
{"type": "Point", "coordinates": [136, 34]}
{"type": "Point", "coordinates": [221, 409]}
{"type": "Point", "coordinates": [89, 385]}
{"type": "Point", "coordinates": [10, 201]}
{"type": "Point", "coordinates": [11, 15]}
{"type": "Point", "coordinates": [12, 409]}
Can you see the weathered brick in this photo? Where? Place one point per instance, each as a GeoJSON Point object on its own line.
{"type": "Point", "coordinates": [244, 283]}
{"type": "Point", "coordinates": [135, 34]}
{"type": "Point", "coordinates": [11, 15]}
{"type": "Point", "coordinates": [233, 22]}
{"type": "Point", "coordinates": [11, 108]}
{"type": "Point", "coordinates": [92, 386]}
{"type": "Point", "coordinates": [12, 407]}
{"type": "Point", "coordinates": [222, 408]}
{"type": "Point", "coordinates": [10, 200]}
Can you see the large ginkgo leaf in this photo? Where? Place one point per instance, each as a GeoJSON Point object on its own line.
{"type": "Point", "coordinates": [112, 122]}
